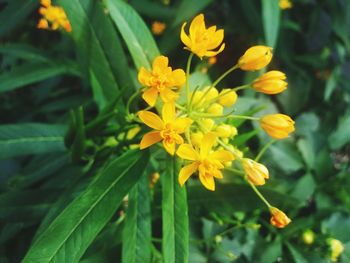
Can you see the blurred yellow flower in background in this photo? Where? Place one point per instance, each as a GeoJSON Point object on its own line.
{"type": "Point", "coordinates": [54, 16]}
{"type": "Point", "coordinates": [285, 4]}
{"type": "Point", "coordinates": [158, 28]}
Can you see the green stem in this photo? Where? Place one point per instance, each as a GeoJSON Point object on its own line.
{"type": "Point", "coordinates": [224, 75]}
{"type": "Point", "coordinates": [192, 96]}
{"type": "Point", "coordinates": [180, 107]}
{"type": "Point", "coordinates": [207, 115]}
{"type": "Point", "coordinates": [131, 99]}
{"type": "Point", "coordinates": [263, 150]}
{"type": "Point", "coordinates": [235, 171]}
{"type": "Point", "coordinates": [259, 194]}
{"type": "Point", "coordinates": [229, 149]}
{"type": "Point", "coordinates": [188, 68]}
{"type": "Point", "coordinates": [244, 117]}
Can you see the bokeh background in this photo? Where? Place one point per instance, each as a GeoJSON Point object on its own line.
{"type": "Point", "coordinates": [43, 78]}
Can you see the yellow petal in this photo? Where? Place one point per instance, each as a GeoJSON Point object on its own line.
{"type": "Point", "coordinates": [150, 96]}
{"type": "Point", "coordinates": [149, 139]}
{"type": "Point", "coordinates": [207, 143]}
{"type": "Point", "coordinates": [186, 172]}
{"type": "Point", "coordinates": [179, 77]}
{"type": "Point", "coordinates": [181, 124]}
{"type": "Point", "coordinates": [168, 113]}
{"type": "Point", "coordinates": [169, 146]}
{"type": "Point", "coordinates": [197, 24]}
{"type": "Point", "coordinates": [187, 152]}
{"type": "Point", "coordinates": [216, 39]}
{"type": "Point", "coordinates": [45, 3]}
{"type": "Point", "coordinates": [222, 156]}
{"type": "Point", "coordinates": [168, 96]}
{"type": "Point", "coordinates": [217, 174]}
{"type": "Point", "coordinates": [184, 38]}
{"type": "Point", "coordinates": [214, 53]}
{"type": "Point", "coordinates": [144, 76]}
{"type": "Point", "coordinates": [160, 63]}
{"type": "Point", "coordinates": [150, 119]}
{"type": "Point", "coordinates": [207, 181]}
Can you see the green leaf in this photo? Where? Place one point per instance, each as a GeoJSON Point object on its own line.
{"type": "Point", "coordinates": [34, 72]}
{"type": "Point", "coordinates": [272, 252]}
{"type": "Point", "coordinates": [304, 188]}
{"type": "Point", "coordinates": [24, 51]}
{"type": "Point", "coordinates": [70, 234]}
{"type": "Point", "coordinates": [99, 49]}
{"type": "Point", "coordinates": [297, 256]}
{"type": "Point", "coordinates": [271, 21]}
{"type": "Point", "coordinates": [135, 33]}
{"type": "Point", "coordinates": [14, 13]}
{"type": "Point", "coordinates": [175, 216]}
{"type": "Point", "coordinates": [341, 135]}
{"type": "Point", "coordinates": [30, 138]}
{"type": "Point", "coordinates": [137, 229]}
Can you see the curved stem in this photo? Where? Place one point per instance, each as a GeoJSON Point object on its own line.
{"type": "Point", "coordinates": [263, 150]}
{"type": "Point", "coordinates": [207, 115]}
{"type": "Point", "coordinates": [224, 75]}
{"type": "Point", "coordinates": [188, 68]}
{"type": "Point", "coordinates": [259, 194]}
{"type": "Point", "coordinates": [131, 99]}
{"type": "Point", "coordinates": [244, 117]}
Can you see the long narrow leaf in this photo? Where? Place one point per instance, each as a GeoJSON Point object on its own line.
{"type": "Point", "coordinates": [137, 229]}
{"type": "Point", "coordinates": [175, 216]}
{"type": "Point", "coordinates": [271, 21]}
{"type": "Point", "coordinates": [30, 138]}
{"type": "Point", "coordinates": [70, 234]}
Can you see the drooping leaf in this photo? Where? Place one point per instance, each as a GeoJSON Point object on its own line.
{"type": "Point", "coordinates": [30, 138]}
{"type": "Point", "coordinates": [34, 72]}
{"type": "Point", "coordinates": [69, 235]}
{"type": "Point", "coordinates": [137, 229]}
{"type": "Point", "coordinates": [24, 51]}
{"type": "Point", "coordinates": [175, 243]}
{"type": "Point", "coordinates": [135, 33]}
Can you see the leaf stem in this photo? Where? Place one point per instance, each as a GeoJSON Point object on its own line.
{"type": "Point", "coordinates": [263, 150]}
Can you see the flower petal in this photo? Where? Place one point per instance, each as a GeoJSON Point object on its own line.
{"type": "Point", "coordinates": [214, 53]}
{"type": "Point", "coordinates": [187, 152]}
{"type": "Point", "coordinates": [184, 37]}
{"type": "Point", "coordinates": [222, 156]}
{"type": "Point", "coordinates": [181, 124]}
{"type": "Point", "coordinates": [151, 119]}
{"type": "Point", "coordinates": [160, 64]}
{"type": "Point", "coordinates": [150, 96]}
{"type": "Point", "coordinates": [169, 146]}
{"type": "Point", "coordinates": [168, 113]}
{"type": "Point", "coordinates": [149, 139]}
{"type": "Point", "coordinates": [207, 143]}
{"type": "Point", "coordinates": [179, 77]}
{"type": "Point", "coordinates": [216, 39]}
{"type": "Point", "coordinates": [207, 181]}
{"type": "Point", "coordinates": [197, 24]}
{"type": "Point", "coordinates": [186, 172]}
{"type": "Point", "coordinates": [168, 96]}
{"type": "Point", "coordinates": [144, 76]}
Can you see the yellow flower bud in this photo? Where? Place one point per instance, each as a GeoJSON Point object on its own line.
{"type": "Point", "coordinates": [208, 124]}
{"type": "Point", "coordinates": [215, 109]}
{"type": "Point", "coordinates": [158, 28]}
{"type": "Point", "coordinates": [255, 58]}
{"type": "Point", "coordinates": [196, 138]}
{"type": "Point", "coordinates": [224, 131]}
{"type": "Point", "coordinates": [256, 172]}
{"type": "Point", "coordinates": [278, 126]}
{"type": "Point", "coordinates": [229, 98]}
{"type": "Point", "coordinates": [278, 218]}
{"type": "Point", "coordinates": [308, 237]}
{"type": "Point", "coordinates": [336, 248]}
{"type": "Point", "coordinates": [197, 98]}
{"type": "Point", "coordinates": [234, 131]}
{"type": "Point", "coordinates": [272, 82]}
{"type": "Point", "coordinates": [212, 94]}
{"type": "Point", "coordinates": [133, 132]}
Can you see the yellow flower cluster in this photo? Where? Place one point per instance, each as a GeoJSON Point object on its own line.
{"type": "Point", "coordinates": [54, 17]}
{"type": "Point", "coordinates": [195, 126]}
{"type": "Point", "coordinates": [285, 4]}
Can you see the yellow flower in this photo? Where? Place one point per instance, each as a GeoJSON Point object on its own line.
{"type": "Point", "coordinates": [308, 237]}
{"type": "Point", "coordinates": [256, 172]}
{"type": "Point", "coordinates": [278, 126]}
{"type": "Point", "coordinates": [225, 131]}
{"type": "Point", "coordinates": [255, 58]}
{"type": "Point", "coordinates": [207, 162]}
{"type": "Point", "coordinates": [215, 109]}
{"type": "Point", "coordinates": [53, 14]}
{"type": "Point", "coordinates": [285, 4]}
{"type": "Point", "coordinates": [336, 248]}
{"type": "Point", "coordinates": [166, 129]}
{"type": "Point", "coordinates": [161, 80]}
{"type": "Point", "coordinates": [158, 28]}
{"type": "Point", "coordinates": [227, 98]}
{"type": "Point", "coordinates": [272, 82]}
{"type": "Point", "coordinates": [201, 40]}
{"type": "Point", "coordinates": [212, 60]}
{"type": "Point", "coordinates": [278, 218]}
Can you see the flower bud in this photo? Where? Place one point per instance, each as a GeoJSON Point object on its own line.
{"type": "Point", "coordinates": [256, 172]}
{"type": "Point", "coordinates": [278, 126]}
{"type": "Point", "coordinates": [212, 93]}
{"type": "Point", "coordinates": [224, 131]}
{"type": "Point", "coordinates": [255, 58]}
{"type": "Point", "coordinates": [229, 98]}
{"type": "Point", "coordinates": [336, 248]}
{"type": "Point", "coordinates": [197, 98]}
{"type": "Point", "coordinates": [308, 237]}
{"type": "Point", "coordinates": [208, 124]}
{"type": "Point", "coordinates": [272, 82]}
{"type": "Point", "coordinates": [215, 109]}
{"type": "Point", "coordinates": [278, 218]}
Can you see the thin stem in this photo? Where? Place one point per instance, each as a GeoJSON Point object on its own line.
{"type": "Point", "coordinates": [259, 194]}
{"type": "Point", "coordinates": [188, 68]}
{"type": "Point", "coordinates": [192, 96]}
{"type": "Point", "coordinates": [242, 87]}
{"type": "Point", "coordinates": [207, 115]}
{"type": "Point", "coordinates": [224, 75]}
{"type": "Point", "coordinates": [180, 107]}
{"type": "Point", "coordinates": [131, 99]}
{"type": "Point", "coordinates": [263, 150]}
{"type": "Point", "coordinates": [235, 171]}
{"type": "Point", "coordinates": [244, 117]}
{"type": "Point", "coordinates": [229, 149]}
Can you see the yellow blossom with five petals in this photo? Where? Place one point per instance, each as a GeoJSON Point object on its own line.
{"type": "Point", "coordinates": [161, 80]}
{"type": "Point", "coordinates": [201, 40]}
{"type": "Point", "coordinates": [204, 160]}
{"type": "Point", "coordinates": [166, 129]}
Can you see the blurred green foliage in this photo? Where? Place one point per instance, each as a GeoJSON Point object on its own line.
{"type": "Point", "coordinates": [66, 164]}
